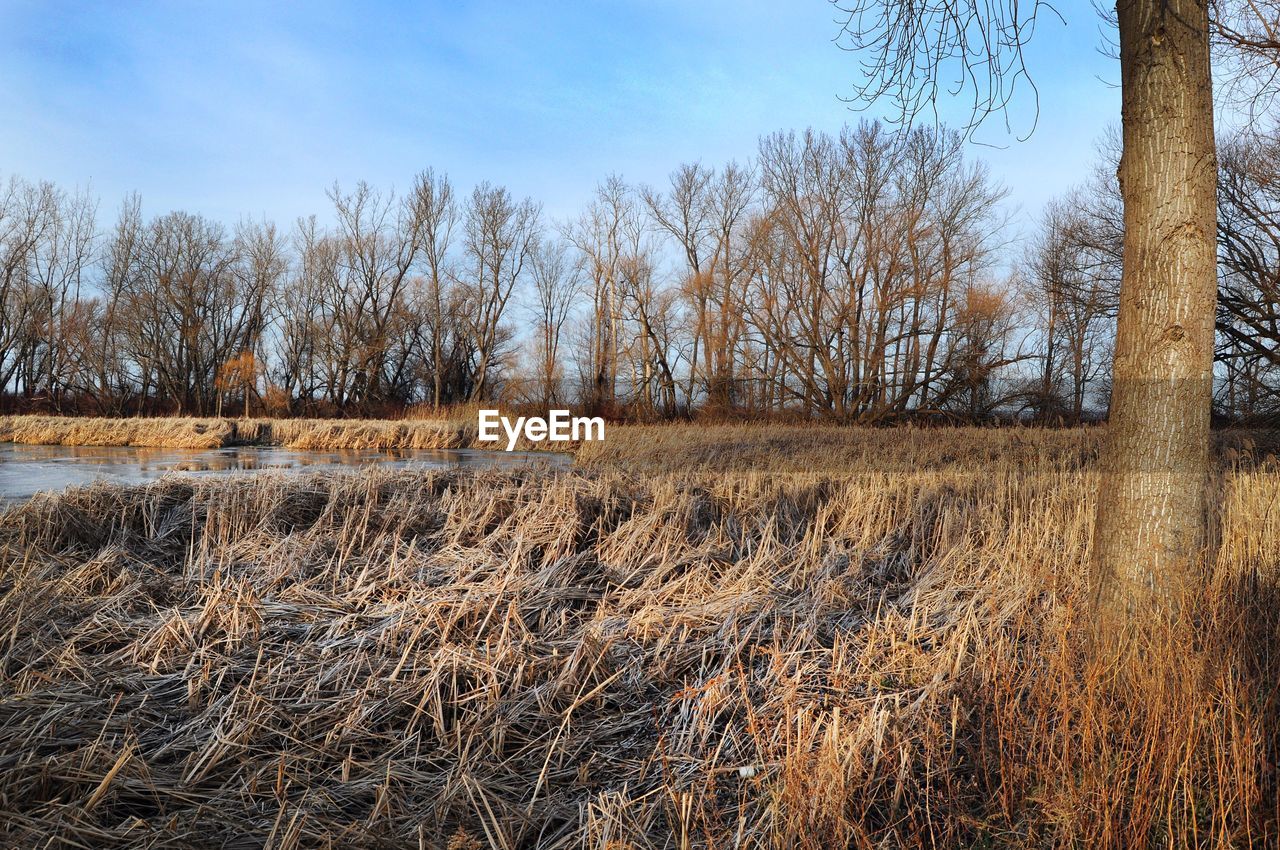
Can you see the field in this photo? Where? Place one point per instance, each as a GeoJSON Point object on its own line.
{"type": "Point", "coordinates": [730, 636]}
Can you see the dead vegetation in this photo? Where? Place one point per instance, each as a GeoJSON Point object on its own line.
{"type": "Point", "coordinates": [635, 448]}
{"type": "Point", "coordinates": [171, 433]}
{"type": "Point", "coordinates": [831, 639]}
{"type": "Point", "coordinates": [185, 433]}
{"type": "Point", "coordinates": [339, 434]}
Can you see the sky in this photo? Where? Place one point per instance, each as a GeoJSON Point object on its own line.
{"type": "Point", "coordinates": [252, 110]}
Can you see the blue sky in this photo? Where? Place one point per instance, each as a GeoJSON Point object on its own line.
{"type": "Point", "coordinates": [253, 109]}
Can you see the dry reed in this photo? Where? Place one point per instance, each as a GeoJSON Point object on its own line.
{"type": "Point", "coordinates": [304, 434]}
{"type": "Point", "coordinates": [172, 433]}
{"type": "Point", "coordinates": [843, 641]}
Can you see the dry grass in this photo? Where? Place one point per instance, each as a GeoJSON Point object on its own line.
{"type": "Point", "coordinates": [171, 433]}
{"type": "Point", "coordinates": [634, 448]}
{"type": "Point", "coordinates": [337, 434]}
{"type": "Point", "coordinates": [827, 639]}
{"type": "Point", "coordinates": [310, 434]}
{"type": "Point", "coordinates": [841, 450]}
{"type": "Point", "coordinates": [827, 448]}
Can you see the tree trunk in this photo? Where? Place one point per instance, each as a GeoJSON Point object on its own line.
{"type": "Point", "coordinates": [435, 364]}
{"type": "Point", "coordinates": [1046, 381]}
{"type": "Point", "coordinates": [1155, 504]}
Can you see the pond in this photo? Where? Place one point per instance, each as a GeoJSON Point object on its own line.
{"type": "Point", "coordinates": [27, 470]}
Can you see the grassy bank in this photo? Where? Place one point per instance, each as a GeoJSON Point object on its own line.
{"type": "Point", "coordinates": [189, 433]}
{"type": "Point", "coordinates": [727, 637]}
{"type": "Point", "coordinates": [635, 448]}
{"type": "Point", "coordinates": [305, 434]}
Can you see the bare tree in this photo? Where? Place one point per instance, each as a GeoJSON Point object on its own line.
{"type": "Point", "coordinates": [438, 211]}
{"type": "Point", "coordinates": [645, 309]}
{"type": "Point", "coordinates": [685, 213]}
{"type": "Point", "coordinates": [834, 275]}
{"type": "Point", "coordinates": [183, 317]}
{"type": "Point", "coordinates": [732, 193]}
{"type": "Point", "coordinates": [59, 263]}
{"type": "Point", "coordinates": [302, 317]}
{"type": "Point", "coordinates": [1072, 290]}
{"type": "Point", "coordinates": [380, 239]}
{"type": "Point", "coordinates": [556, 285]}
{"type": "Point", "coordinates": [500, 236]}
{"type": "Point", "coordinates": [1154, 504]}
{"type": "Point", "coordinates": [597, 235]}
{"type": "Point", "coordinates": [1249, 287]}
{"type": "Point", "coordinates": [261, 265]}
{"type": "Point", "coordinates": [983, 346]}
{"type": "Point", "coordinates": [26, 217]}
{"type": "Point", "coordinates": [111, 376]}
{"type": "Point", "coordinates": [864, 246]}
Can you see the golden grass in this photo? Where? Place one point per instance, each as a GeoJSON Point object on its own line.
{"type": "Point", "coordinates": [634, 448]}
{"type": "Point", "coordinates": [172, 433]}
{"type": "Point", "coordinates": [836, 449]}
{"type": "Point", "coordinates": [307, 434]}
{"type": "Point", "coordinates": [338, 434]}
{"type": "Point", "coordinates": [764, 637]}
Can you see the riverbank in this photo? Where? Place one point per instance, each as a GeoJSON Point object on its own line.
{"type": "Point", "coordinates": [703, 638]}
{"type": "Point", "coordinates": [210, 433]}
{"type": "Point", "coordinates": [657, 448]}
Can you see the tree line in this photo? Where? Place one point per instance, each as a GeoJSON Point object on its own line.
{"type": "Point", "coordinates": [862, 276]}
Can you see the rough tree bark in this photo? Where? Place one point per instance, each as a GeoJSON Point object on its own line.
{"type": "Point", "coordinates": [1155, 504]}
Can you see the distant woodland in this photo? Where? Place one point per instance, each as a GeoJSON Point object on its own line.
{"type": "Point", "coordinates": [866, 277]}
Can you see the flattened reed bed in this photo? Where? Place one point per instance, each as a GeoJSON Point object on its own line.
{"type": "Point", "coordinates": [609, 660]}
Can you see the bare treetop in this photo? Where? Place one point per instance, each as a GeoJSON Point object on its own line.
{"type": "Point", "coordinates": [912, 51]}
{"type": "Point", "coordinates": [1246, 34]}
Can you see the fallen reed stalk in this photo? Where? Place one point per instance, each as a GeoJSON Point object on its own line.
{"type": "Point", "coordinates": [807, 643]}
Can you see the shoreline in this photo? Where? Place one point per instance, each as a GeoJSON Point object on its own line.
{"type": "Point", "coordinates": [811, 448]}
{"type": "Point", "coordinates": [214, 433]}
